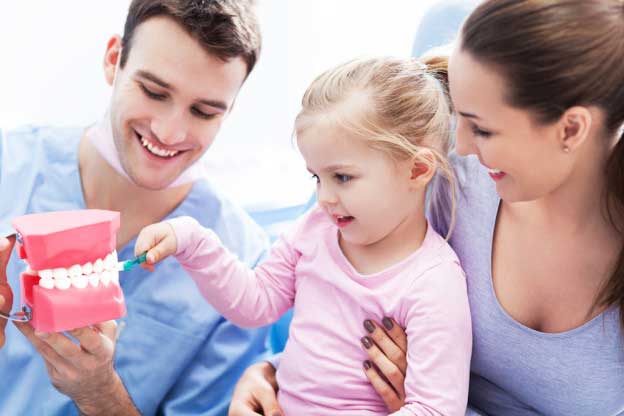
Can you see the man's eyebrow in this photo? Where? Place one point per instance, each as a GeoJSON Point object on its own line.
{"type": "Point", "coordinates": [154, 79]}
{"type": "Point", "coordinates": [219, 105]}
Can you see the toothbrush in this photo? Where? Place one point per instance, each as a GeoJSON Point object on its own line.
{"type": "Point", "coordinates": [124, 266]}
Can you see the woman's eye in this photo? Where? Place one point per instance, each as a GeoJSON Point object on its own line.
{"type": "Point", "coordinates": [481, 133]}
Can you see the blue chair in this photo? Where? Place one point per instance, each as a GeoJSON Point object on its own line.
{"type": "Point", "coordinates": [440, 24]}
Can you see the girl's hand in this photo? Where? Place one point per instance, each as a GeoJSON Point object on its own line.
{"type": "Point", "coordinates": [158, 240]}
{"type": "Point", "coordinates": [386, 346]}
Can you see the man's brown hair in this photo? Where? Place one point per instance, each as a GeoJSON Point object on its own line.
{"type": "Point", "coordinates": [225, 28]}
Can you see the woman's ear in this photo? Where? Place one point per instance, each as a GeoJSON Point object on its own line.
{"type": "Point", "coordinates": [422, 168]}
{"type": "Point", "coordinates": [111, 58]}
{"type": "Point", "coordinates": [575, 125]}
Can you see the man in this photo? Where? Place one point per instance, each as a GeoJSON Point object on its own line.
{"type": "Point", "coordinates": [175, 75]}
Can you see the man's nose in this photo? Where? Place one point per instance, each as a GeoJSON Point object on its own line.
{"type": "Point", "coordinates": [171, 128]}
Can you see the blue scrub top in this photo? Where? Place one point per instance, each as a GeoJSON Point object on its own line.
{"type": "Point", "coordinates": [175, 354]}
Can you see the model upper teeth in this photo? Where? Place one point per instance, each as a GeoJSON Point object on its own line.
{"type": "Point", "coordinates": [157, 150]}
{"type": "Point", "coordinates": [495, 171]}
{"type": "Point", "coordinates": [100, 272]}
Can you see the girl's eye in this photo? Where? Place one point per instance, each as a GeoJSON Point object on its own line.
{"type": "Point", "coordinates": [152, 95]}
{"type": "Point", "coordinates": [342, 178]}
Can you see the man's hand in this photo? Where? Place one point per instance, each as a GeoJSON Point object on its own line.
{"type": "Point", "coordinates": [6, 294]}
{"type": "Point", "coordinates": [256, 392]}
{"type": "Point", "coordinates": [159, 240]}
{"type": "Point", "coordinates": [84, 371]}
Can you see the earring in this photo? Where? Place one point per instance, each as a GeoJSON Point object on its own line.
{"type": "Point", "coordinates": [566, 149]}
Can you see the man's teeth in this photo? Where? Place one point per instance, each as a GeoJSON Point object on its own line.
{"type": "Point", "coordinates": [157, 150]}
{"type": "Point", "coordinates": [102, 271]}
{"type": "Point", "coordinates": [495, 171]}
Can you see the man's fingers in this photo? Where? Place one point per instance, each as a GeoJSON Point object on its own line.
{"type": "Point", "coordinates": [62, 345]}
{"type": "Point", "coordinates": [52, 357]}
{"type": "Point", "coordinates": [381, 386]}
{"type": "Point", "coordinates": [389, 370]}
{"type": "Point", "coordinates": [93, 340]}
{"type": "Point", "coordinates": [6, 247]}
{"type": "Point", "coordinates": [387, 345]}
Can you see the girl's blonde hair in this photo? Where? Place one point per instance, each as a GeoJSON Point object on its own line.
{"type": "Point", "coordinates": [402, 108]}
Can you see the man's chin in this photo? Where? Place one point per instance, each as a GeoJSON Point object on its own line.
{"type": "Point", "coordinates": [152, 183]}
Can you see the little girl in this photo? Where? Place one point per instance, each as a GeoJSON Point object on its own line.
{"type": "Point", "coordinates": [373, 133]}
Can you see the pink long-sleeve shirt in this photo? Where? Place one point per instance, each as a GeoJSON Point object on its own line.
{"type": "Point", "coordinates": [320, 371]}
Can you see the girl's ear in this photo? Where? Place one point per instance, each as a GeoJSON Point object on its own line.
{"type": "Point", "coordinates": [422, 168]}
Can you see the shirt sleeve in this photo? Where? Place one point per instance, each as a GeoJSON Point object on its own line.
{"type": "Point", "coordinates": [248, 298]}
{"type": "Point", "coordinates": [439, 340]}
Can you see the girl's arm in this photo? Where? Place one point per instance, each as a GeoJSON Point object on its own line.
{"type": "Point", "coordinates": [248, 298]}
{"type": "Point", "coordinates": [439, 339]}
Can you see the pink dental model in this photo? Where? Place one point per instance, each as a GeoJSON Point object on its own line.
{"type": "Point", "coordinates": [72, 279]}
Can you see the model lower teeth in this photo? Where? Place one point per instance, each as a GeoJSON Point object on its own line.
{"type": "Point", "coordinates": [157, 150]}
{"type": "Point", "coordinates": [101, 272]}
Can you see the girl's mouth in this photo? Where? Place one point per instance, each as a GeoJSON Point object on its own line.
{"type": "Point", "coordinates": [343, 220]}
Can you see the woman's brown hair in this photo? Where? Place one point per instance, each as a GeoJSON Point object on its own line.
{"type": "Point", "coordinates": [555, 55]}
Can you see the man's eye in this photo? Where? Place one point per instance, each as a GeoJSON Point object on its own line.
{"type": "Point", "coordinates": [196, 111]}
{"type": "Point", "coordinates": [152, 95]}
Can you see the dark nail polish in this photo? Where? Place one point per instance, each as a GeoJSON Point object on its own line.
{"type": "Point", "coordinates": [387, 323]}
{"type": "Point", "coordinates": [367, 342]}
{"type": "Point", "coordinates": [367, 365]}
{"type": "Point", "coordinates": [369, 325]}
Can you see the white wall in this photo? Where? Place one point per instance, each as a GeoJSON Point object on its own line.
{"type": "Point", "coordinates": [51, 74]}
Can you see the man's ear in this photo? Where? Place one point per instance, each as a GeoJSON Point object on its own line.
{"type": "Point", "coordinates": [111, 58]}
{"type": "Point", "coordinates": [422, 168]}
{"type": "Point", "coordinates": [575, 125]}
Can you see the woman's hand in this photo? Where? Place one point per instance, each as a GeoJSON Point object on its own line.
{"type": "Point", "coordinates": [256, 392]}
{"type": "Point", "coordinates": [387, 348]}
